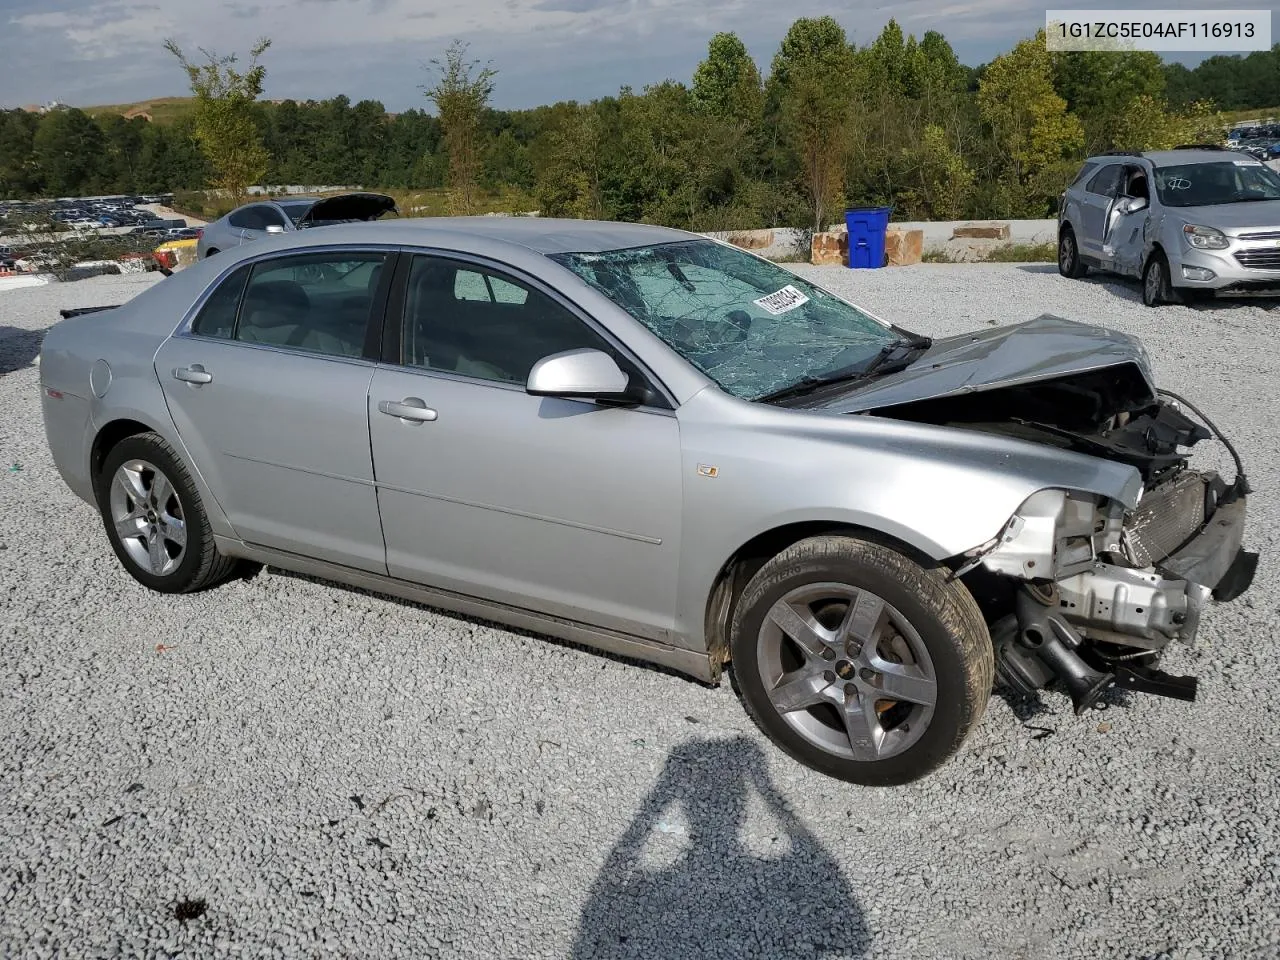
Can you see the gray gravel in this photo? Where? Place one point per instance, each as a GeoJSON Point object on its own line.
{"type": "Point", "coordinates": [318, 772]}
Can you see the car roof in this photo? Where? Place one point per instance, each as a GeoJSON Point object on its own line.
{"type": "Point", "coordinates": [1174, 158]}
{"type": "Point", "coordinates": [544, 235]}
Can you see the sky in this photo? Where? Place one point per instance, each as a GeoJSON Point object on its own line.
{"type": "Point", "coordinates": [90, 52]}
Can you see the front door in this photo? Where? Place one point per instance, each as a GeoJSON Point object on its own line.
{"type": "Point", "coordinates": [1095, 206]}
{"type": "Point", "coordinates": [564, 507]}
{"type": "Point", "coordinates": [269, 392]}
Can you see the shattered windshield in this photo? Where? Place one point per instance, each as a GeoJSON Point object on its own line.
{"type": "Point", "coordinates": [748, 324]}
{"type": "Point", "coordinates": [1221, 181]}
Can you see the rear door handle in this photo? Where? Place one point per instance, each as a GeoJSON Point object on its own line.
{"type": "Point", "coordinates": [192, 374]}
{"type": "Point", "coordinates": [410, 408]}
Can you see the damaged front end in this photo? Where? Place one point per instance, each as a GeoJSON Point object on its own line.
{"type": "Point", "coordinates": [1090, 593]}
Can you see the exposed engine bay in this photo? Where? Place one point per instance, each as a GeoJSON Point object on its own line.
{"type": "Point", "coordinates": [1076, 588]}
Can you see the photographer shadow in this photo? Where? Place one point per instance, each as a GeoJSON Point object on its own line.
{"type": "Point", "coordinates": [681, 883]}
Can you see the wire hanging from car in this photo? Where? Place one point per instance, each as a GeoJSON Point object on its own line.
{"type": "Point", "coordinates": [1241, 487]}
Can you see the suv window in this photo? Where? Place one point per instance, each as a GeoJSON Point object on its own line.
{"type": "Point", "coordinates": [316, 302]}
{"type": "Point", "coordinates": [217, 318]}
{"type": "Point", "coordinates": [1107, 181]}
{"type": "Point", "coordinates": [473, 321]}
{"type": "Point", "coordinates": [1085, 171]}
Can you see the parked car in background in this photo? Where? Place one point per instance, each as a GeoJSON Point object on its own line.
{"type": "Point", "coordinates": [287, 215]}
{"type": "Point", "coordinates": [1188, 222]}
{"type": "Point", "coordinates": [666, 447]}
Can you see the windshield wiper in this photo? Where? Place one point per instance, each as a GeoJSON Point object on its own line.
{"type": "Point", "coordinates": [894, 356]}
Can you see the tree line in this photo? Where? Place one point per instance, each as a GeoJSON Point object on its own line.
{"type": "Point", "coordinates": [897, 122]}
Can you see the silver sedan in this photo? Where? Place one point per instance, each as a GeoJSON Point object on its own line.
{"type": "Point", "coordinates": [661, 446]}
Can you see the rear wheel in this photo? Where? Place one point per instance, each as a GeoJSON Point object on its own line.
{"type": "Point", "coordinates": [154, 519]}
{"type": "Point", "coordinates": [1069, 262]}
{"type": "Point", "coordinates": [859, 662]}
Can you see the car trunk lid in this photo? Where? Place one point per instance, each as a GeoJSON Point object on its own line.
{"type": "Point", "coordinates": [348, 207]}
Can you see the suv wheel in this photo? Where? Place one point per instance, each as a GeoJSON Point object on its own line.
{"type": "Point", "coordinates": [859, 662]}
{"type": "Point", "coordinates": [1156, 287]}
{"type": "Point", "coordinates": [1069, 263]}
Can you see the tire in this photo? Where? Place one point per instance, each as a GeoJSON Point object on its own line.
{"type": "Point", "coordinates": [1069, 262]}
{"type": "Point", "coordinates": [821, 707]}
{"type": "Point", "coordinates": [1156, 286]}
{"type": "Point", "coordinates": [181, 556]}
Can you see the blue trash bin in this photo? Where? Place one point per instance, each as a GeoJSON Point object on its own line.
{"type": "Point", "coordinates": [867, 226]}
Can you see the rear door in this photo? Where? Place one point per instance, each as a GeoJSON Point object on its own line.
{"type": "Point", "coordinates": [269, 391]}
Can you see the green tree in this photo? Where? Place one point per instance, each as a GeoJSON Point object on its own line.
{"type": "Point", "coordinates": [938, 182]}
{"type": "Point", "coordinates": [1034, 134]}
{"type": "Point", "coordinates": [70, 153]}
{"type": "Point", "coordinates": [19, 174]}
{"type": "Point", "coordinates": [225, 126]}
{"type": "Point", "coordinates": [813, 82]}
{"type": "Point", "coordinates": [1100, 86]}
{"type": "Point", "coordinates": [1148, 124]}
{"type": "Point", "coordinates": [727, 83]}
{"type": "Point", "coordinates": [569, 174]}
{"type": "Point", "coordinates": [460, 95]}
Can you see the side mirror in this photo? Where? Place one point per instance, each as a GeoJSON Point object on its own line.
{"type": "Point", "coordinates": [274, 228]}
{"type": "Point", "coordinates": [1132, 204]}
{"type": "Point", "coordinates": [579, 375]}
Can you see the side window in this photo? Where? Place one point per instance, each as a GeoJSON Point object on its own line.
{"type": "Point", "coordinates": [217, 318]}
{"type": "Point", "coordinates": [465, 319]}
{"type": "Point", "coordinates": [1085, 172]}
{"type": "Point", "coordinates": [246, 218]}
{"type": "Point", "coordinates": [1135, 183]}
{"type": "Point", "coordinates": [470, 285]}
{"type": "Point", "coordinates": [270, 217]}
{"type": "Point", "coordinates": [1106, 182]}
{"type": "Point", "coordinates": [316, 302]}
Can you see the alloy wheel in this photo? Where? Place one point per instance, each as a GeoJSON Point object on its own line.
{"type": "Point", "coordinates": [148, 517]}
{"type": "Point", "coordinates": [1154, 281]}
{"type": "Point", "coordinates": [847, 671]}
{"type": "Point", "coordinates": [1066, 253]}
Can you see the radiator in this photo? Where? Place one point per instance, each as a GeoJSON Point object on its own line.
{"type": "Point", "coordinates": [1167, 517]}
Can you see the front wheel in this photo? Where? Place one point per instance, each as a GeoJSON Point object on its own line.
{"type": "Point", "coordinates": [1157, 288]}
{"type": "Point", "coordinates": [859, 662]}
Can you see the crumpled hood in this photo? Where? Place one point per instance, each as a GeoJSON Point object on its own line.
{"type": "Point", "coordinates": [1045, 348]}
{"type": "Point", "coordinates": [349, 206]}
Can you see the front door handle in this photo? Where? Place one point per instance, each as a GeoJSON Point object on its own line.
{"type": "Point", "coordinates": [410, 408]}
{"type": "Point", "coordinates": [193, 374]}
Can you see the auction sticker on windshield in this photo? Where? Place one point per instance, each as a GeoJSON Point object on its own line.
{"type": "Point", "coordinates": [782, 301]}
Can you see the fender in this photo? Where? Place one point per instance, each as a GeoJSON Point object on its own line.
{"type": "Point", "coordinates": [940, 490]}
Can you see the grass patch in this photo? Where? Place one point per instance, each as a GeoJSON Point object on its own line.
{"type": "Point", "coordinates": [1024, 253]}
{"type": "Point", "coordinates": [1011, 253]}
{"type": "Point", "coordinates": [162, 109]}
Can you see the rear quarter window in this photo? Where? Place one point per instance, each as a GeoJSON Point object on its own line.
{"type": "Point", "coordinates": [217, 318]}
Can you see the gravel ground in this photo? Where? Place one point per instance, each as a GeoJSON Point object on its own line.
{"type": "Point", "coordinates": [282, 768]}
